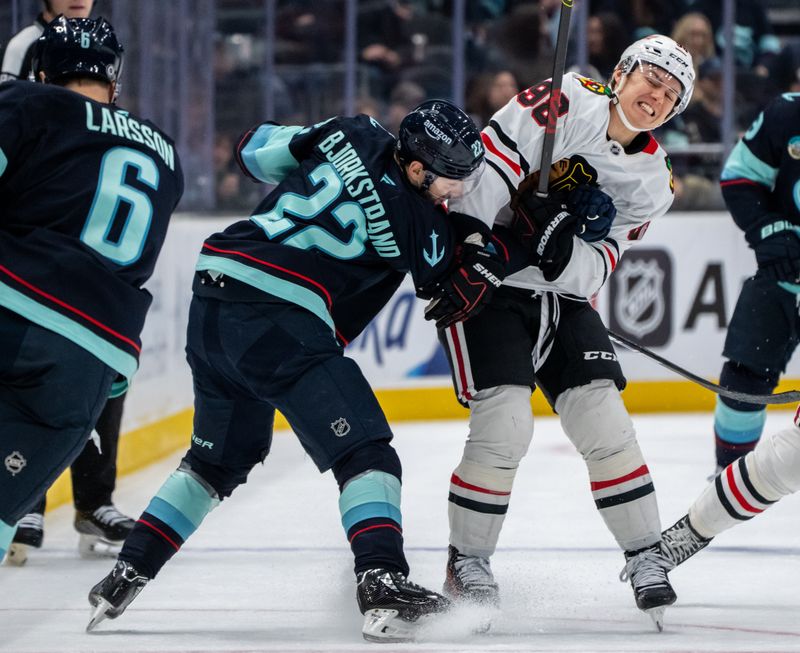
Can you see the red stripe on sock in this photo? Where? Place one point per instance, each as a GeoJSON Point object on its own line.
{"type": "Point", "coordinates": [159, 531]}
{"type": "Point", "coordinates": [455, 480]}
{"type": "Point", "coordinates": [735, 490]}
{"type": "Point", "coordinates": [600, 485]}
{"type": "Point", "coordinates": [373, 527]}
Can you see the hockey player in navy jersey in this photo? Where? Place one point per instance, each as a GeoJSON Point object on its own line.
{"type": "Point", "coordinates": [278, 296]}
{"type": "Point", "coordinates": [86, 193]}
{"type": "Point", "coordinates": [761, 190]}
{"type": "Point", "coordinates": [540, 330]}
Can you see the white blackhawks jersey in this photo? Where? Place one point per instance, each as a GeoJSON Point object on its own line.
{"type": "Point", "coordinates": [640, 182]}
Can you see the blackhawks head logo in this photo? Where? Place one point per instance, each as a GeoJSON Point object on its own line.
{"type": "Point", "coordinates": [594, 86]}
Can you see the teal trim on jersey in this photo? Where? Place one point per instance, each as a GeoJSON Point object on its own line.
{"type": "Point", "coordinates": [3, 162]}
{"type": "Point", "coordinates": [6, 536]}
{"type": "Point", "coordinates": [375, 494]}
{"type": "Point", "coordinates": [118, 388]}
{"type": "Point", "coordinates": [386, 179]}
{"type": "Point", "coordinates": [115, 358]}
{"type": "Point", "coordinates": [182, 502]}
{"type": "Point", "coordinates": [738, 426]}
{"type": "Point", "coordinates": [742, 163]}
{"type": "Point", "coordinates": [286, 290]}
{"type": "Point", "coordinates": [793, 288]}
{"type": "Point", "coordinates": [267, 155]}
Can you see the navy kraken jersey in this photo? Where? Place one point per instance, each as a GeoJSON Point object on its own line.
{"type": "Point", "coordinates": [86, 192]}
{"type": "Point", "coordinates": [761, 178]}
{"type": "Point", "coordinates": [340, 230]}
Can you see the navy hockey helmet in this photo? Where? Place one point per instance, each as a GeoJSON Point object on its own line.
{"type": "Point", "coordinates": [443, 138]}
{"type": "Point", "coordinates": [78, 47]}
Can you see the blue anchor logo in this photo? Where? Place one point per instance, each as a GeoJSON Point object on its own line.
{"type": "Point", "coordinates": [435, 256]}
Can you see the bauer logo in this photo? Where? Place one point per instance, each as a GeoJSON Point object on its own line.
{"type": "Point", "coordinates": [641, 297]}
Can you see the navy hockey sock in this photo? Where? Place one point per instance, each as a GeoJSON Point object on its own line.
{"type": "Point", "coordinates": [171, 517]}
{"type": "Point", "coordinates": [738, 425]}
{"type": "Point", "coordinates": [370, 509]}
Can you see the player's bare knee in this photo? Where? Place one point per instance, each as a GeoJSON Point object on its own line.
{"type": "Point", "coordinates": [595, 419]}
{"type": "Point", "coordinates": [500, 426]}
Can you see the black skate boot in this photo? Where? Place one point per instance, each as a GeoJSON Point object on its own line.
{"type": "Point", "coordinates": [102, 531]}
{"type": "Point", "coordinates": [30, 534]}
{"type": "Point", "coordinates": [393, 607]}
{"type": "Point", "coordinates": [115, 592]}
{"type": "Point", "coordinates": [647, 572]}
{"type": "Point", "coordinates": [680, 542]}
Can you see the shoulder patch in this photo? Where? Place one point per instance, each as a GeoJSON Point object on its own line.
{"type": "Point", "coordinates": [671, 179]}
{"type": "Point", "coordinates": [594, 86]}
{"type": "Point", "coordinates": [794, 147]}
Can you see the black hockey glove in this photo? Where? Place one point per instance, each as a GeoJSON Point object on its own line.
{"type": "Point", "coordinates": [778, 253]}
{"type": "Point", "coordinates": [595, 211]}
{"type": "Point", "coordinates": [546, 227]}
{"type": "Point", "coordinates": [470, 286]}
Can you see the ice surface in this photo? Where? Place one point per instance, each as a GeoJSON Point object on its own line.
{"type": "Point", "coordinates": [270, 569]}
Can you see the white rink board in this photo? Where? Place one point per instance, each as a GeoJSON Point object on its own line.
{"type": "Point", "coordinates": [400, 349]}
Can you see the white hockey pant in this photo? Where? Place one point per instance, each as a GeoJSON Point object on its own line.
{"type": "Point", "coordinates": [595, 419]}
{"type": "Point", "coordinates": [749, 485]}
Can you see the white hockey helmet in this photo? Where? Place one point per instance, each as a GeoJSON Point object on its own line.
{"type": "Point", "coordinates": [662, 51]}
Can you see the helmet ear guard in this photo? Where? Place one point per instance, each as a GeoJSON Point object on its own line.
{"type": "Point", "coordinates": [78, 48]}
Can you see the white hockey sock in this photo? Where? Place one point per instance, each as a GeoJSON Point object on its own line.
{"type": "Point", "coordinates": [751, 484]}
{"type": "Point", "coordinates": [477, 505]}
{"type": "Point", "coordinates": [624, 495]}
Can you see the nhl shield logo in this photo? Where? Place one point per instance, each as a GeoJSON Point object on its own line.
{"type": "Point", "coordinates": [340, 427]}
{"type": "Point", "coordinates": [641, 296]}
{"type": "Point", "coordinates": [15, 463]}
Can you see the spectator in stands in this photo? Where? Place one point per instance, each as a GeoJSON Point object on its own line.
{"type": "Point", "coordinates": [404, 97]}
{"type": "Point", "coordinates": [755, 44]}
{"type": "Point", "coordinates": [643, 17]}
{"type": "Point", "coordinates": [693, 32]}
{"type": "Point", "coordinates": [784, 70]}
{"type": "Point", "coordinates": [519, 41]}
{"type": "Point", "coordinates": [489, 92]}
{"type": "Point", "coordinates": [606, 38]}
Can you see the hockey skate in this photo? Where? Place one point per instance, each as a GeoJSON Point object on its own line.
{"type": "Point", "coordinates": [680, 542]}
{"type": "Point", "coordinates": [393, 607]}
{"type": "Point", "coordinates": [102, 532]}
{"type": "Point", "coordinates": [469, 580]}
{"type": "Point", "coordinates": [647, 571]}
{"type": "Point", "coordinates": [30, 534]}
{"type": "Point", "coordinates": [115, 592]}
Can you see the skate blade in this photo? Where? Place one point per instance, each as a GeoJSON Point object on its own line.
{"type": "Point", "coordinates": [95, 547]}
{"type": "Point", "coordinates": [17, 554]}
{"type": "Point", "coordinates": [98, 614]}
{"type": "Point", "coordinates": [382, 625]}
{"type": "Point", "coordinates": [657, 615]}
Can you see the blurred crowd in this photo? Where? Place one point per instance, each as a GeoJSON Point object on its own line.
{"type": "Point", "coordinates": [405, 55]}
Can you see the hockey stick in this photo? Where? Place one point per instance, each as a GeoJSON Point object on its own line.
{"type": "Point", "coordinates": [792, 396]}
{"type": "Point", "coordinates": [559, 63]}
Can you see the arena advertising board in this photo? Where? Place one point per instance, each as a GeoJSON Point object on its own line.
{"type": "Point", "coordinates": [674, 292]}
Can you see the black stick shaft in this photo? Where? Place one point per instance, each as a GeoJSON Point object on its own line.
{"type": "Point", "coordinates": [790, 397]}
{"type": "Point", "coordinates": [559, 63]}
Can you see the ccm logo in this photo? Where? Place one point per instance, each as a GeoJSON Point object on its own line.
{"type": "Point", "coordinates": [599, 355]}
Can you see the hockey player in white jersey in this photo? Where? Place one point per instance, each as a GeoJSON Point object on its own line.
{"type": "Point", "coordinates": [540, 330]}
{"type": "Point", "coordinates": [744, 489]}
